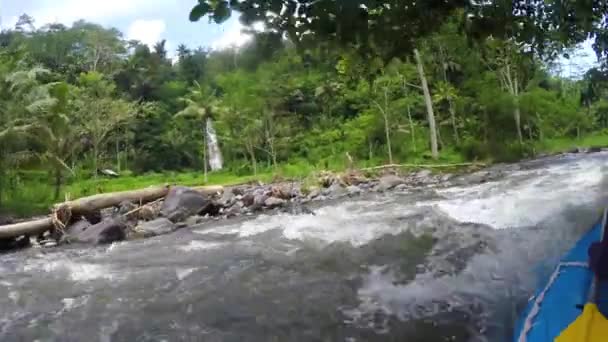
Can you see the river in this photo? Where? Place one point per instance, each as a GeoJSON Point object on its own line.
{"type": "Point", "coordinates": [450, 263]}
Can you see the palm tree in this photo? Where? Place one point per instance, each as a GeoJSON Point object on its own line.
{"type": "Point", "coordinates": [48, 125]}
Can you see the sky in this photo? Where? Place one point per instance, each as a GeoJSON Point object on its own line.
{"type": "Point", "coordinates": [148, 21]}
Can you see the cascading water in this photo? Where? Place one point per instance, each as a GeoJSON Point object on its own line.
{"type": "Point", "coordinates": [430, 264]}
{"type": "Point", "coordinates": [213, 148]}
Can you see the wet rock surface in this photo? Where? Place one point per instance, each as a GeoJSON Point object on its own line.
{"type": "Point", "coordinates": [105, 232]}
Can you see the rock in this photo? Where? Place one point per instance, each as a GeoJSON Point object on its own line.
{"type": "Point", "coordinates": [228, 198]}
{"type": "Point", "coordinates": [238, 191]}
{"type": "Point", "coordinates": [194, 220]}
{"type": "Point", "coordinates": [259, 201]}
{"type": "Point", "coordinates": [107, 231]}
{"type": "Point", "coordinates": [281, 192]}
{"type": "Point", "coordinates": [212, 209]}
{"type": "Point", "coordinates": [335, 190]}
{"type": "Point", "coordinates": [14, 243]}
{"type": "Point", "coordinates": [149, 212]}
{"type": "Point", "coordinates": [389, 181]}
{"type": "Point", "coordinates": [594, 149]}
{"type": "Point", "coordinates": [314, 193]}
{"type": "Point", "coordinates": [575, 150]}
{"type": "Point", "coordinates": [160, 226]}
{"type": "Point", "coordinates": [181, 203]}
{"type": "Point", "coordinates": [94, 217]}
{"type": "Point", "coordinates": [235, 210]}
{"type": "Point", "coordinates": [126, 207]}
{"type": "Point", "coordinates": [401, 187]}
{"type": "Point", "coordinates": [423, 175]}
{"type": "Point", "coordinates": [248, 199]}
{"type": "Point", "coordinates": [273, 202]}
{"type": "Point", "coordinates": [353, 190]}
{"type": "Point", "coordinates": [78, 227]}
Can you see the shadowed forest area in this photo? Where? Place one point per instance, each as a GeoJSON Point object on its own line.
{"type": "Point", "coordinates": [319, 88]}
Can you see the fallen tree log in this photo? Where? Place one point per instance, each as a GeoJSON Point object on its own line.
{"type": "Point", "coordinates": [26, 228]}
{"type": "Point", "coordinates": [92, 204]}
{"type": "Point", "coordinates": [425, 166]}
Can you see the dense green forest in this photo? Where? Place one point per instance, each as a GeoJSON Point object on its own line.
{"type": "Point", "coordinates": [75, 100]}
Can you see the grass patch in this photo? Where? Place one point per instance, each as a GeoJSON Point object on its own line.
{"type": "Point", "coordinates": [564, 144]}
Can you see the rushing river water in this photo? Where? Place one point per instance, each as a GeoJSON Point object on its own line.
{"type": "Point", "coordinates": [435, 264]}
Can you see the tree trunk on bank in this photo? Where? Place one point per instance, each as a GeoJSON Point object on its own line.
{"type": "Point", "coordinates": [412, 129]}
{"type": "Point", "coordinates": [387, 127]}
{"type": "Point", "coordinates": [517, 117]}
{"type": "Point", "coordinates": [94, 203]}
{"type": "Point", "coordinates": [453, 119]}
{"type": "Point", "coordinates": [57, 183]}
{"type": "Point", "coordinates": [429, 105]}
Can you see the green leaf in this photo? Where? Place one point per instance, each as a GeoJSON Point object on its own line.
{"type": "Point", "coordinates": [199, 11]}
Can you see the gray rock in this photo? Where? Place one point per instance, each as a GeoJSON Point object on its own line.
{"type": "Point", "coordinates": [259, 201]}
{"type": "Point", "coordinates": [160, 226]}
{"type": "Point", "coordinates": [273, 202]}
{"type": "Point", "coordinates": [248, 199]}
{"type": "Point", "coordinates": [401, 187]}
{"type": "Point", "coordinates": [125, 207]}
{"type": "Point", "coordinates": [388, 182]}
{"type": "Point", "coordinates": [107, 231]}
{"type": "Point", "coordinates": [335, 190]}
{"type": "Point", "coordinates": [212, 209]}
{"type": "Point", "coordinates": [235, 210]}
{"type": "Point", "coordinates": [353, 190]}
{"type": "Point", "coordinates": [314, 193]}
{"type": "Point", "coordinates": [181, 203]}
{"type": "Point", "coordinates": [594, 149]}
{"type": "Point", "coordinates": [228, 198]}
{"type": "Point", "coordinates": [423, 175]}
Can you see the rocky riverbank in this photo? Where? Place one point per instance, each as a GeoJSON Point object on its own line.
{"type": "Point", "coordinates": [183, 207]}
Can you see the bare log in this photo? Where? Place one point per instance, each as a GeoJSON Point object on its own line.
{"type": "Point", "coordinates": [430, 166]}
{"type": "Point", "coordinates": [26, 228]}
{"type": "Point", "coordinates": [93, 203]}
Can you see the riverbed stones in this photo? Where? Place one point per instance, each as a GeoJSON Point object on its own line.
{"type": "Point", "coordinates": [159, 226]}
{"type": "Point", "coordinates": [181, 203]}
{"type": "Point", "coordinates": [274, 202]}
{"type": "Point", "coordinates": [107, 231]}
{"type": "Point", "coordinates": [388, 182]}
{"type": "Point", "coordinates": [353, 190]}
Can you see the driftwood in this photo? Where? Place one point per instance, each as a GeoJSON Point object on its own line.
{"type": "Point", "coordinates": [26, 228]}
{"type": "Point", "coordinates": [394, 166]}
{"type": "Point", "coordinates": [91, 204]}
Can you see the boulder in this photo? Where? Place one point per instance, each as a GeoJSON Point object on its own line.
{"type": "Point", "coordinates": [248, 199]}
{"type": "Point", "coordinates": [14, 243]}
{"type": "Point", "coordinates": [273, 202]}
{"type": "Point", "coordinates": [259, 201]}
{"type": "Point", "coordinates": [126, 207]}
{"type": "Point", "coordinates": [228, 198]}
{"type": "Point", "coordinates": [335, 190]}
{"type": "Point", "coordinates": [353, 190]}
{"type": "Point", "coordinates": [235, 210]}
{"type": "Point", "coordinates": [314, 193]}
{"type": "Point", "coordinates": [181, 203]}
{"type": "Point", "coordinates": [212, 209]}
{"type": "Point", "coordinates": [389, 181]}
{"type": "Point", "coordinates": [107, 231]}
{"type": "Point", "coordinates": [594, 149]}
{"type": "Point", "coordinates": [160, 226]}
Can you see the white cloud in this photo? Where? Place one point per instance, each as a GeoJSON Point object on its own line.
{"type": "Point", "coordinates": [234, 36]}
{"type": "Point", "coordinates": [68, 11]}
{"type": "Point", "coordinates": [147, 31]}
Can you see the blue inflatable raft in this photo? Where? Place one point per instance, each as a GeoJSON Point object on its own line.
{"type": "Point", "coordinates": [567, 308]}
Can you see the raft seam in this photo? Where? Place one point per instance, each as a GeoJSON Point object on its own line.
{"type": "Point", "coordinates": [529, 322]}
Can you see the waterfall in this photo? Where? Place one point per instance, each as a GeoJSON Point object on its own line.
{"type": "Point", "coordinates": [214, 153]}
